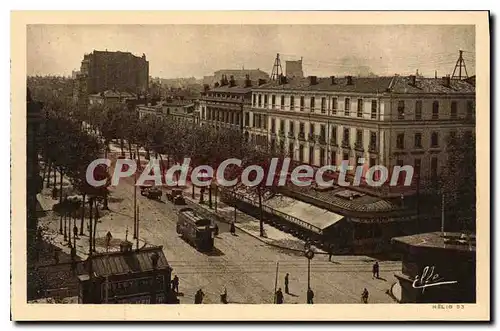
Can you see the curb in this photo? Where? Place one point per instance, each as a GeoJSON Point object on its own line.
{"type": "Point", "coordinates": [223, 219]}
{"type": "Point", "coordinates": [391, 294]}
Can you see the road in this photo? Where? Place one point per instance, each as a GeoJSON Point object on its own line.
{"type": "Point", "coordinates": [242, 264]}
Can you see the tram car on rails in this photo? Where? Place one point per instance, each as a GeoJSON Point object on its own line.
{"type": "Point", "coordinates": [195, 229]}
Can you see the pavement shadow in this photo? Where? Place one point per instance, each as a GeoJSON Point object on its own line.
{"type": "Point", "coordinates": [114, 199]}
{"type": "Point", "coordinates": [381, 278]}
{"type": "Point", "coordinates": [214, 252]}
{"type": "Point", "coordinates": [292, 295]}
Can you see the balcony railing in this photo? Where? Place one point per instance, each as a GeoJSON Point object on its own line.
{"type": "Point", "coordinates": [346, 144]}
{"type": "Point", "coordinates": [311, 138]}
{"type": "Point", "coordinates": [302, 136]}
{"type": "Point", "coordinates": [373, 148]}
{"type": "Point", "coordinates": [291, 134]}
{"type": "Point", "coordinates": [322, 140]}
{"type": "Point", "coordinates": [282, 133]}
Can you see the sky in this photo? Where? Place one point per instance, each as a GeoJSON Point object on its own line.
{"type": "Point", "coordinates": [197, 50]}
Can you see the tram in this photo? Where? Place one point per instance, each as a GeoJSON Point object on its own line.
{"type": "Point", "coordinates": [197, 230]}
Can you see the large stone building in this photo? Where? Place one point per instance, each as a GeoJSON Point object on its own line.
{"type": "Point", "coordinates": [103, 70]}
{"type": "Point", "coordinates": [384, 120]}
{"type": "Point", "coordinates": [224, 104]}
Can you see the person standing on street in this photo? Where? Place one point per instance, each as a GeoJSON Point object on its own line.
{"type": "Point", "coordinates": [364, 296]}
{"type": "Point", "coordinates": [233, 228]}
{"type": "Point", "coordinates": [310, 296]}
{"type": "Point", "coordinates": [279, 296]}
{"type": "Point", "coordinates": [375, 270]}
{"type": "Point", "coordinates": [330, 253]}
{"type": "Point", "coordinates": [175, 284]}
{"type": "Point", "coordinates": [198, 297]}
{"type": "Point", "coordinates": [287, 290]}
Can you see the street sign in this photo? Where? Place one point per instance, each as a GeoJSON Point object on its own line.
{"type": "Point", "coordinates": [309, 254]}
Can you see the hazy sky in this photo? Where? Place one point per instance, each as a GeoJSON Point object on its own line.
{"type": "Point", "coordinates": [198, 50]}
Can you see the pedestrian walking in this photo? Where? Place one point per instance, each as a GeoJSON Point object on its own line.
{"type": "Point", "coordinates": [287, 289]}
{"type": "Point", "coordinates": [310, 296]}
{"type": "Point", "coordinates": [233, 228]}
{"type": "Point", "coordinates": [364, 296]}
{"type": "Point", "coordinates": [330, 253]}
{"type": "Point", "coordinates": [175, 284]}
{"type": "Point", "coordinates": [375, 270]}
{"type": "Point", "coordinates": [279, 296]}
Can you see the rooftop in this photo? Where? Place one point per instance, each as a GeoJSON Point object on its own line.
{"type": "Point", "coordinates": [235, 89]}
{"type": "Point", "coordinates": [447, 240]}
{"type": "Point", "coordinates": [393, 84]}
{"type": "Point", "coordinates": [118, 263]}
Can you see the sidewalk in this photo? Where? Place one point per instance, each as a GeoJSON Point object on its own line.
{"type": "Point", "coordinates": [247, 223]}
{"type": "Point", "coordinates": [50, 224]}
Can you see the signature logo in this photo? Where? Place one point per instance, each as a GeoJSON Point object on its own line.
{"type": "Point", "coordinates": [429, 278]}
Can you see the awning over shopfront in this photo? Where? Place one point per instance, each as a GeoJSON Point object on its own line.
{"type": "Point", "coordinates": [316, 219]}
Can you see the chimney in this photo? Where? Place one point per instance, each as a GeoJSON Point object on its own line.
{"type": "Point", "coordinates": [313, 80]}
{"type": "Point", "coordinates": [216, 84]}
{"type": "Point", "coordinates": [446, 81]}
{"type": "Point", "coordinates": [261, 81]}
{"type": "Point", "coordinates": [232, 82]}
{"type": "Point", "coordinates": [223, 80]}
{"type": "Point", "coordinates": [349, 80]}
{"type": "Point", "coordinates": [248, 82]}
{"type": "Point", "coordinates": [413, 80]}
{"type": "Point", "coordinates": [206, 87]}
{"type": "Point", "coordinates": [154, 260]}
{"type": "Point", "coordinates": [283, 80]}
{"type": "Point", "coordinates": [332, 78]}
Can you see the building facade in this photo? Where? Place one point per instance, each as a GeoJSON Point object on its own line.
{"type": "Point", "coordinates": [224, 104]}
{"type": "Point", "coordinates": [175, 110]}
{"type": "Point", "coordinates": [383, 120]}
{"type": "Point", "coordinates": [123, 71]}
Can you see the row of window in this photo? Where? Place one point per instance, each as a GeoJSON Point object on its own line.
{"type": "Point", "coordinates": [225, 116]}
{"type": "Point", "coordinates": [402, 114]}
{"type": "Point", "coordinates": [320, 104]}
{"type": "Point", "coordinates": [225, 96]}
{"type": "Point", "coordinates": [322, 136]}
{"type": "Point", "coordinates": [301, 156]}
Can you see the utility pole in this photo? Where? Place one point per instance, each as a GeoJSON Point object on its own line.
{"type": "Point", "coordinates": [276, 280]}
{"type": "Point", "coordinates": [442, 213]}
{"type": "Point", "coordinates": [137, 239]}
{"type": "Point", "coordinates": [135, 202]}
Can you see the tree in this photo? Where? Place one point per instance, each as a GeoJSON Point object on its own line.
{"type": "Point", "coordinates": [458, 181]}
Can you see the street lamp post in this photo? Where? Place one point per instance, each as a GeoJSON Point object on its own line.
{"type": "Point", "coordinates": [309, 253]}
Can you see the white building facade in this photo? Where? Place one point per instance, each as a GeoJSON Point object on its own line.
{"type": "Point", "coordinates": [384, 120]}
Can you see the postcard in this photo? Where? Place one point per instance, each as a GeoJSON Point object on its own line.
{"type": "Point", "coordinates": [250, 166]}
